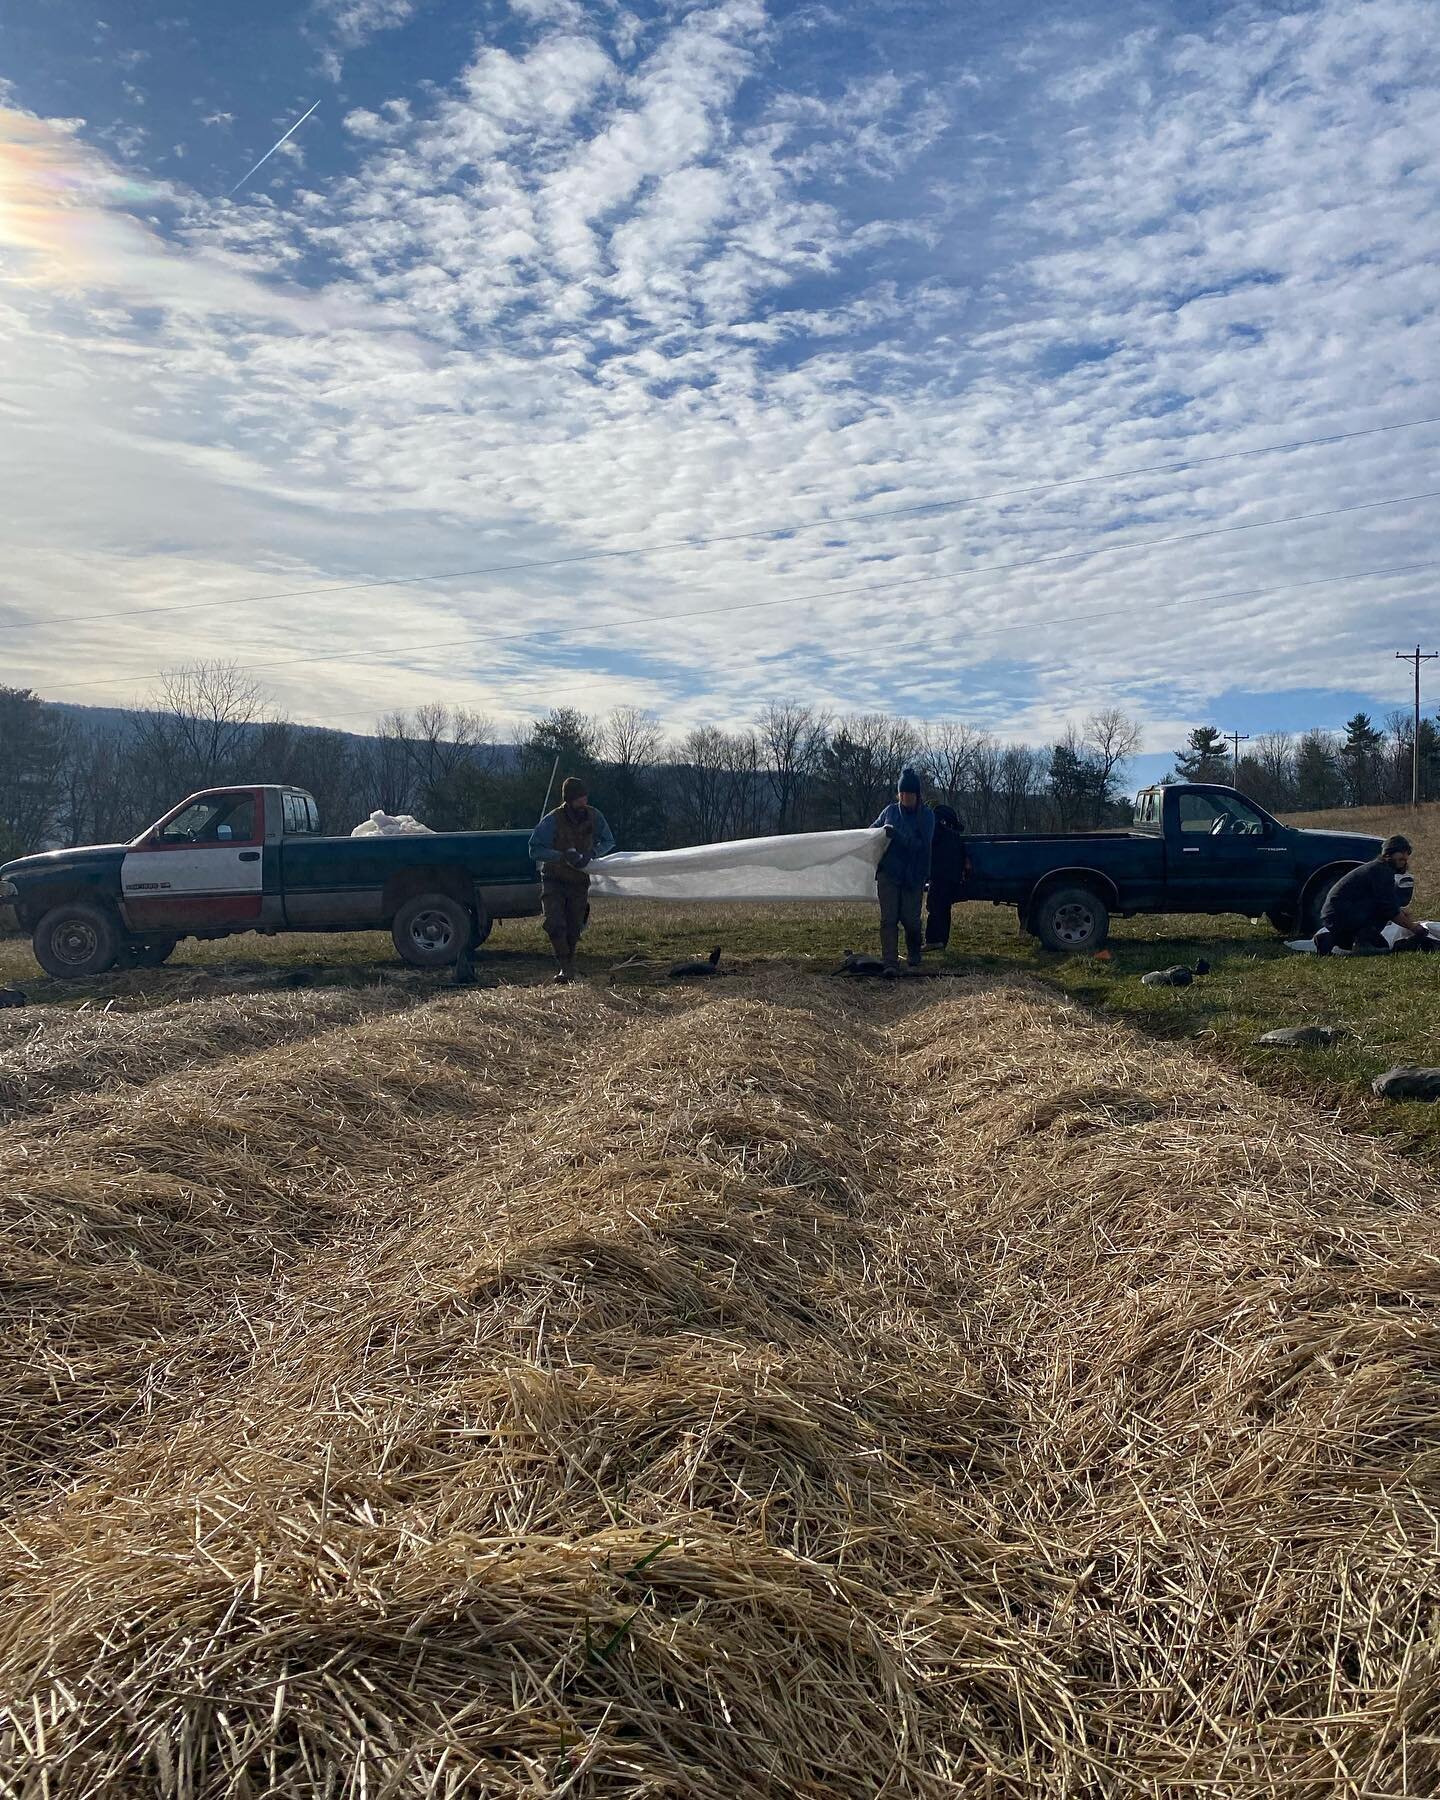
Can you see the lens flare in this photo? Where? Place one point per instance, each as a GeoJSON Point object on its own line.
{"type": "Point", "coordinates": [57, 201]}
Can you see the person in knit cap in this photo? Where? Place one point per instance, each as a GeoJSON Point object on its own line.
{"type": "Point", "coordinates": [1361, 904]}
{"type": "Point", "coordinates": [903, 871]}
{"type": "Point", "coordinates": [564, 844]}
{"type": "Point", "coordinates": [947, 876]}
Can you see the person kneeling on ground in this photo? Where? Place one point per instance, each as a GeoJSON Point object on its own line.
{"type": "Point", "coordinates": [947, 876]}
{"type": "Point", "coordinates": [901, 876]}
{"type": "Point", "coordinates": [1361, 904]}
{"type": "Point", "coordinates": [564, 844]}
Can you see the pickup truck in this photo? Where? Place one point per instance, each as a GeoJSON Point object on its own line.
{"type": "Point", "coordinates": [235, 859]}
{"type": "Point", "coordinates": [1193, 847]}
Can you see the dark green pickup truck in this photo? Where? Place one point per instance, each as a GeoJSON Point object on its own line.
{"type": "Point", "coordinates": [1194, 847]}
{"type": "Point", "coordinates": [253, 859]}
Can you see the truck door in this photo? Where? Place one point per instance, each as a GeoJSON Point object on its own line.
{"type": "Point", "coordinates": [200, 868]}
{"type": "Point", "coordinates": [1224, 856]}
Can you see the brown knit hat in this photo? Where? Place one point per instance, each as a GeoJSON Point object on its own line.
{"type": "Point", "coordinates": [572, 788]}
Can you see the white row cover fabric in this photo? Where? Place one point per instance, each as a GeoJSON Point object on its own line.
{"type": "Point", "coordinates": [812, 865]}
{"type": "Point", "coordinates": [383, 824]}
{"type": "Point", "coordinates": [1392, 935]}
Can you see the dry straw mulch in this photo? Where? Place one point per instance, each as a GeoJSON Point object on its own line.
{"type": "Point", "coordinates": [772, 1390]}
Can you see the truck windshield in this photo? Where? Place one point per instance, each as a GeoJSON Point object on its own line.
{"type": "Point", "coordinates": [215, 819]}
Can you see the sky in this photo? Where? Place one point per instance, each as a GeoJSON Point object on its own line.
{"type": "Point", "coordinates": [990, 341]}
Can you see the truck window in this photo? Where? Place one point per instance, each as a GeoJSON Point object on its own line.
{"type": "Point", "coordinates": [313, 812]}
{"type": "Point", "coordinates": [1218, 815]}
{"type": "Point", "coordinates": [1147, 811]}
{"type": "Point", "coordinates": [213, 819]}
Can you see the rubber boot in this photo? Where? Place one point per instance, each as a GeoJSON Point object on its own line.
{"type": "Point", "coordinates": [890, 948]}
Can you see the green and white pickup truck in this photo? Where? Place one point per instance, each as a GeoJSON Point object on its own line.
{"type": "Point", "coordinates": [238, 859]}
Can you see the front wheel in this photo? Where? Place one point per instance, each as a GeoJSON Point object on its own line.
{"type": "Point", "coordinates": [432, 930]}
{"type": "Point", "coordinates": [77, 939]}
{"type": "Point", "coordinates": [1315, 902]}
{"type": "Point", "coordinates": [1075, 919]}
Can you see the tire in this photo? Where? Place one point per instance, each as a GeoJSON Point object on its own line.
{"type": "Point", "coordinates": [431, 930]}
{"type": "Point", "coordinates": [1073, 919]}
{"type": "Point", "coordinates": [1315, 903]}
{"type": "Point", "coordinates": [149, 953]}
{"type": "Point", "coordinates": [77, 939]}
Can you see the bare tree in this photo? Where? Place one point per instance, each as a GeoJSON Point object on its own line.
{"type": "Point", "coordinates": [391, 764]}
{"type": "Point", "coordinates": [863, 758]}
{"type": "Point", "coordinates": [949, 751]}
{"type": "Point", "coordinates": [1111, 739]}
{"type": "Point", "coordinates": [197, 725]}
{"type": "Point", "coordinates": [701, 784]}
{"type": "Point", "coordinates": [629, 750]}
{"type": "Point", "coordinates": [791, 738]}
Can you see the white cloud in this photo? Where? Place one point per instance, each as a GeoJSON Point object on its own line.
{"type": "Point", "coordinates": [623, 289]}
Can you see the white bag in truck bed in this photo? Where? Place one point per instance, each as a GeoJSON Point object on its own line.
{"type": "Point", "coordinates": [383, 824]}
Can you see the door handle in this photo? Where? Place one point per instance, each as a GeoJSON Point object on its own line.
{"type": "Point", "coordinates": [1191, 850]}
{"type": "Point", "coordinates": [249, 856]}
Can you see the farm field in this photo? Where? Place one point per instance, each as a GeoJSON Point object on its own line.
{"type": "Point", "coordinates": [772, 1386]}
{"type": "Point", "coordinates": [1388, 1011]}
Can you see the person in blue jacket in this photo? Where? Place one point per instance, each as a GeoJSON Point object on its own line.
{"type": "Point", "coordinates": [904, 869]}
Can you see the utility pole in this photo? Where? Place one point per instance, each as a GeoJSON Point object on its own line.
{"type": "Point", "coordinates": [1237, 738]}
{"type": "Point", "coordinates": [1417, 656]}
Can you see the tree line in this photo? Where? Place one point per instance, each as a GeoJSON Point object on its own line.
{"type": "Point", "coordinates": [65, 779]}
{"type": "Point", "coordinates": [68, 780]}
{"type": "Point", "coordinates": [1312, 771]}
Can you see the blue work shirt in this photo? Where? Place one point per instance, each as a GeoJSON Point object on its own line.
{"type": "Point", "coordinates": [907, 856]}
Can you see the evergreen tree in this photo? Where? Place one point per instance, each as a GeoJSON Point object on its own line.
{"type": "Point", "coordinates": [1360, 761]}
{"type": "Point", "coordinates": [1206, 756]}
{"type": "Point", "coordinates": [1318, 780]}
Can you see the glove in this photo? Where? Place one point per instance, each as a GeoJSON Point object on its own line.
{"type": "Point", "coordinates": [889, 831]}
{"type": "Point", "coordinates": [586, 860]}
{"type": "Point", "coordinates": [1425, 940]}
{"type": "Point", "coordinates": [575, 860]}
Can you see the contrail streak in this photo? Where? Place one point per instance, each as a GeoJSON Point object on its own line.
{"type": "Point", "coordinates": [271, 151]}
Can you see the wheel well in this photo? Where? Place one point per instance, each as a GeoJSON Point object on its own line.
{"type": "Point", "coordinates": [1331, 872]}
{"type": "Point", "coordinates": [407, 883]}
{"type": "Point", "coordinates": [1058, 878]}
{"type": "Point", "coordinates": [32, 910]}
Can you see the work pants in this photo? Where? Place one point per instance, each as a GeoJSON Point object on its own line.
{"type": "Point", "coordinates": [566, 910]}
{"type": "Point", "coordinates": [1368, 939]}
{"type": "Point", "coordinates": [938, 903]}
{"type": "Point", "coordinates": [898, 906]}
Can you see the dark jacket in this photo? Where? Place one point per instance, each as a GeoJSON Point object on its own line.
{"type": "Point", "coordinates": [947, 857]}
{"type": "Point", "coordinates": [1367, 896]}
{"type": "Point", "coordinates": [907, 856]}
{"type": "Point", "coordinates": [557, 834]}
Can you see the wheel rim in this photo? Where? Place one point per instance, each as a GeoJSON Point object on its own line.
{"type": "Point", "coordinates": [432, 931]}
{"type": "Point", "coordinates": [1074, 922]}
{"type": "Point", "coordinates": [74, 942]}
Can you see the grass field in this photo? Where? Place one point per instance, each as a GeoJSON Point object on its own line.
{"type": "Point", "coordinates": [1388, 1010]}
{"type": "Point", "coordinates": [775, 1385]}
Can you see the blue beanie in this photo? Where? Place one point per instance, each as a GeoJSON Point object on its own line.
{"type": "Point", "coordinates": [909, 782]}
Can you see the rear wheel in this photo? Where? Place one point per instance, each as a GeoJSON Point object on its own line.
{"type": "Point", "coordinates": [432, 930]}
{"type": "Point", "coordinates": [1072, 918]}
{"type": "Point", "coordinates": [77, 939]}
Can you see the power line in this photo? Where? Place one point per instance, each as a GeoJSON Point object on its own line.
{"type": "Point", "coordinates": [733, 537]}
{"type": "Point", "coordinates": [983, 631]}
{"type": "Point", "coordinates": [1237, 738]}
